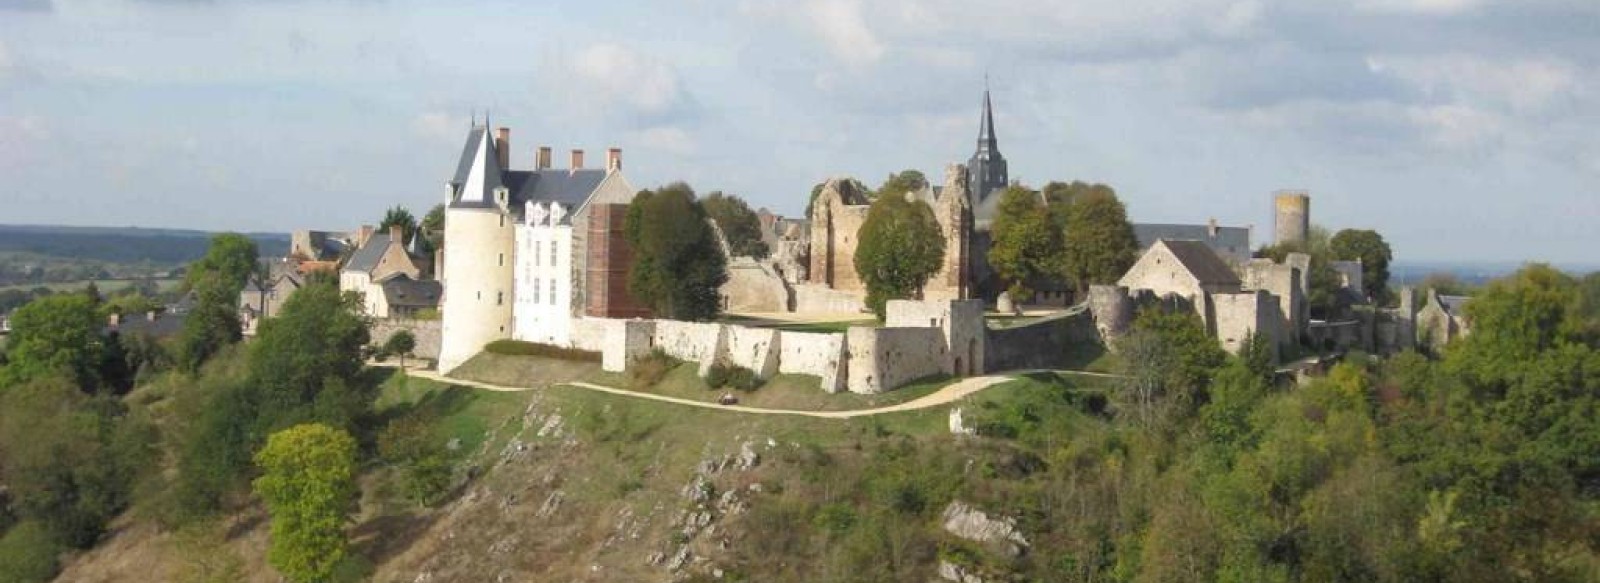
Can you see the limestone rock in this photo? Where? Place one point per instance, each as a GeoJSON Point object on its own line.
{"type": "Point", "coordinates": [958, 425]}
{"type": "Point", "coordinates": [952, 572]}
{"type": "Point", "coordinates": [748, 458]}
{"type": "Point", "coordinates": [972, 524]}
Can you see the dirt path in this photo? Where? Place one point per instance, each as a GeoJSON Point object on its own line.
{"type": "Point", "coordinates": [949, 394]}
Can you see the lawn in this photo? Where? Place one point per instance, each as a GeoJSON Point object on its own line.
{"type": "Point", "coordinates": [472, 416]}
{"type": "Point", "coordinates": [785, 391]}
{"type": "Point", "coordinates": [106, 286]}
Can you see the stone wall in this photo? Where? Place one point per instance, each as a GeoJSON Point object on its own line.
{"type": "Point", "coordinates": [425, 331]}
{"type": "Point", "coordinates": [961, 326]}
{"type": "Point", "coordinates": [836, 217]}
{"type": "Point", "coordinates": [1242, 314]}
{"type": "Point", "coordinates": [818, 299]}
{"type": "Point", "coordinates": [1045, 343]}
{"type": "Point", "coordinates": [811, 353]}
{"type": "Point", "coordinates": [754, 287]}
{"type": "Point", "coordinates": [687, 341]}
{"type": "Point", "coordinates": [1284, 282]}
{"type": "Point", "coordinates": [757, 349]}
{"type": "Point", "coordinates": [1346, 335]}
{"type": "Point", "coordinates": [882, 359]}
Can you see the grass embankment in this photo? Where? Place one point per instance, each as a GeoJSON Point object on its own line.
{"type": "Point", "coordinates": [106, 286]}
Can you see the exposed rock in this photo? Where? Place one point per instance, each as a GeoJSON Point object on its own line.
{"type": "Point", "coordinates": [952, 572]}
{"type": "Point", "coordinates": [454, 444]}
{"type": "Point", "coordinates": [552, 426]}
{"type": "Point", "coordinates": [552, 503]}
{"type": "Point", "coordinates": [748, 458]}
{"type": "Point", "coordinates": [972, 524]}
{"type": "Point", "coordinates": [958, 425]}
{"type": "Point", "coordinates": [679, 559]}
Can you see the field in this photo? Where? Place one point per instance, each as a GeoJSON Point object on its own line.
{"type": "Point", "coordinates": [106, 286]}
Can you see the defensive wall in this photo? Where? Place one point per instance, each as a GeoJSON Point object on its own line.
{"type": "Point", "coordinates": [1044, 343]}
{"type": "Point", "coordinates": [427, 333]}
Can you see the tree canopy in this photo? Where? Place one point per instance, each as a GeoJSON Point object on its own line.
{"type": "Point", "coordinates": [308, 483]}
{"type": "Point", "coordinates": [232, 258]}
{"type": "Point", "coordinates": [431, 230]}
{"type": "Point", "coordinates": [57, 334]}
{"type": "Point", "coordinates": [1368, 247]}
{"type": "Point", "coordinates": [678, 268]}
{"type": "Point", "coordinates": [900, 183]}
{"type": "Point", "coordinates": [900, 247]}
{"type": "Point", "coordinates": [1026, 243]}
{"type": "Point", "coordinates": [740, 225]}
{"type": "Point", "coordinates": [399, 216]}
{"type": "Point", "coordinates": [1100, 244]}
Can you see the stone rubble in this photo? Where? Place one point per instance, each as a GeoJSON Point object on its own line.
{"type": "Point", "coordinates": [972, 524]}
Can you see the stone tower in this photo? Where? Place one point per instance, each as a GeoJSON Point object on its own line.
{"type": "Point", "coordinates": [953, 281]}
{"type": "Point", "coordinates": [1291, 216]}
{"type": "Point", "coordinates": [986, 170]}
{"type": "Point", "coordinates": [477, 274]}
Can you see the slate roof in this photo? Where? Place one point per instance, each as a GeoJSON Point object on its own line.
{"type": "Point", "coordinates": [571, 188]}
{"type": "Point", "coordinates": [1202, 262]}
{"type": "Point", "coordinates": [165, 325]}
{"type": "Point", "coordinates": [366, 258]}
{"type": "Point", "coordinates": [402, 291]}
{"type": "Point", "coordinates": [1230, 241]}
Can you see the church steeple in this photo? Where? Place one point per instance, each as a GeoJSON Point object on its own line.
{"type": "Point", "coordinates": [986, 170]}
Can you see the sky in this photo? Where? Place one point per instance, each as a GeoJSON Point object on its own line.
{"type": "Point", "coordinates": [1461, 130]}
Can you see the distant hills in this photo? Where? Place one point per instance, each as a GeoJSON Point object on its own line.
{"type": "Point", "coordinates": [126, 245]}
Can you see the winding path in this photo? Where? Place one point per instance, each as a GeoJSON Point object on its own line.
{"type": "Point", "coordinates": [949, 394]}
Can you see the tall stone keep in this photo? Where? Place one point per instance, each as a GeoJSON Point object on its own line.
{"type": "Point", "coordinates": [1291, 216]}
{"type": "Point", "coordinates": [986, 170]}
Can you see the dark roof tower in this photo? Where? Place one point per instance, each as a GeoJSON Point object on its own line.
{"type": "Point", "coordinates": [986, 170]}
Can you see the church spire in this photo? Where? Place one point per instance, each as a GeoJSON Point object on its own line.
{"type": "Point", "coordinates": [986, 169]}
{"type": "Point", "coordinates": [986, 139]}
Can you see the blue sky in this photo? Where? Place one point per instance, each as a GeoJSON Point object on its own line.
{"type": "Point", "coordinates": [1460, 129]}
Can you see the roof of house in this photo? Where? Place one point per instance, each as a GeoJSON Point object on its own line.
{"type": "Point", "coordinates": [1202, 262]}
{"type": "Point", "coordinates": [366, 258]}
{"type": "Point", "coordinates": [164, 325]}
{"type": "Point", "coordinates": [402, 291]}
{"type": "Point", "coordinates": [1227, 237]}
{"type": "Point", "coordinates": [570, 187]}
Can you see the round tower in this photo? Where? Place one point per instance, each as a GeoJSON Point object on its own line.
{"type": "Point", "coordinates": [1291, 216]}
{"type": "Point", "coordinates": [477, 282]}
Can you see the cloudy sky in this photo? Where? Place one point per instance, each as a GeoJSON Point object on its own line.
{"type": "Point", "coordinates": [1460, 129]}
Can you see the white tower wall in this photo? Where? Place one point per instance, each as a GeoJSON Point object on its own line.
{"type": "Point", "coordinates": [478, 268]}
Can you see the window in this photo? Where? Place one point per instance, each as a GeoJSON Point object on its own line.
{"type": "Point", "coordinates": [552, 291]}
{"type": "Point", "coordinates": [538, 248]}
{"type": "Point", "coordinates": [499, 298]}
{"type": "Point", "coordinates": [502, 259]}
{"type": "Point", "coordinates": [552, 253]}
{"type": "Point", "coordinates": [502, 220]}
{"type": "Point", "coordinates": [535, 290]}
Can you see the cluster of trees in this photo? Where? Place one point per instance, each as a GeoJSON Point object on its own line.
{"type": "Point", "coordinates": [740, 225]}
{"type": "Point", "coordinates": [427, 234]}
{"type": "Point", "coordinates": [678, 266]}
{"type": "Point", "coordinates": [1326, 298]}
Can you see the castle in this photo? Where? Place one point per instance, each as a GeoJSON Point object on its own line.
{"type": "Point", "coordinates": [529, 249]}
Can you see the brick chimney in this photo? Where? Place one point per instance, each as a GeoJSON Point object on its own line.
{"type": "Point", "coordinates": [396, 233]}
{"type": "Point", "coordinates": [577, 159]}
{"type": "Point", "coordinates": [363, 234]}
{"type": "Point", "coordinates": [613, 159]}
{"type": "Point", "coordinates": [502, 145]}
{"type": "Point", "coordinates": [544, 158]}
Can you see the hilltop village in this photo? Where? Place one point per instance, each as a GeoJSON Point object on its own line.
{"type": "Point", "coordinates": [531, 252]}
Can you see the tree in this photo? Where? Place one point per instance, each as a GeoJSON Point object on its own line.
{"type": "Point", "coordinates": [398, 216]}
{"type": "Point", "coordinates": [900, 246]}
{"type": "Point", "coordinates": [740, 225]}
{"type": "Point", "coordinates": [900, 183]}
{"type": "Point", "coordinates": [58, 334]}
{"type": "Point", "coordinates": [28, 554]}
{"type": "Point", "coordinates": [310, 354]}
{"type": "Point", "coordinates": [1100, 245]}
{"type": "Point", "coordinates": [1026, 243]}
{"type": "Point", "coordinates": [231, 257]}
{"type": "Point", "coordinates": [1323, 283]}
{"type": "Point", "coordinates": [211, 325]}
{"type": "Point", "coordinates": [411, 444]}
{"type": "Point", "coordinates": [678, 267]}
{"type": "Point", "coordinates": [308, 484]}
{"type": "Point", "coordinates": [431, 231]}
{"type": "Point", "coordinates": [1368, 247]}
{"type": "Point", "coordinates": [1168, 359]}
{"type": "Point", "coordinates": [400, 344]}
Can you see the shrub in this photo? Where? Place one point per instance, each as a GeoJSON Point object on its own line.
{"type": "Point", "coordinates": [732, 376]}
{"type": "Point", "coordinates": [523, 348]}
{"type": "Point", "coordinates": [27, 554]}
{"type": "Point", "coordinates": [651, 368]}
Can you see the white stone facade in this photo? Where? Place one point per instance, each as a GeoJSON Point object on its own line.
{"type": "Point", "coordinates": [478, 282]}
{"type": "Point", "coordinates": [543, 288]}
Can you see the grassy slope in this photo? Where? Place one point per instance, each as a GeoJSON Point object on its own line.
{"type": "Point", "coordinates": [564, 484]}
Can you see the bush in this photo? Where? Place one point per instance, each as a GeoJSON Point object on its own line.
{"type": "Point", "coordinates": [648, 370]}
{"type": "Point", "coordinates": [522, 348]}
{"type": "Point", "coordinates": [27, 554]}
{"type": "Point", "coordinates": [732, 376]}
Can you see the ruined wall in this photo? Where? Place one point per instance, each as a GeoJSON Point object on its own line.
{"type": "Point", "coordinates": [1291, 216]}
{"type": "Point", "coordinates": [836, 217]}
{"type": "Point", "coordinates": [1346, 335]}
{"type": "Point", "coordinates": [953, 211]}
{"type": "Point", "coordinates": [817, 299]}
{"type": "Point", "coordinates": [1111, 308]}
{"type": "Point", "coordinates": [960, 324]}
{"type": "Point", "coordinates": [757, 349]}
{"type": "Point", "coordinates": [427, 333]}
{"type": "Point", "coordinates": [687, 341]}
{"type": "Point", "coordinates": [589, 333]}
{"type": "Point", "coordinates": [753, 287]}
{"type": "Point", "coordinates": [883, 359]}
{"type": "Point", "coordinates": [1242, 314]}
{"type": "Point", "coordinates": [1283, 281]}
{"type": "Point", "coordinates": [1045, 343]}
{"type": "Point", "coordinates": [816, 354]}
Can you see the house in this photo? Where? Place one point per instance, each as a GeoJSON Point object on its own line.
{"type": "Point", "coordinates": [381, 256]}
{"type": "Point", "coordinates": [1232, 244]}
{"type": "Point", "coordinates": [404, 297]}
{"type": "Point", "coordinates": [1442, 321]}
{"type": "Point", "coordinates": [264, 298]}
{"type": "Point", "coordinates": [1186, 268]}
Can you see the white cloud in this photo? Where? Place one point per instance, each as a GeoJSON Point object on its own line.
{"type": "Point", "coordinates": [1434, 7]}
{"type": "Point", "coordinates": [843, 27]}
{"type": "Point", "coordinates": [1526, 85]}
{"type": "Point", "coordinates": [622, 76]}
{"type": "Point", "coordinates": [669, 139]}
{"type": "Point", "coordinates": [435, 125]}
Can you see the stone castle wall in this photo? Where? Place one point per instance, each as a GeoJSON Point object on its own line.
{"type": "Point", "coordinates": [1242, 314]}
{"type": "Point", "coordinates": [886, 358]}
{"type": "Point", "coordinates": [816, 354]}
{"type": "Point", "coordinates": [818, 299]}
{"type": "Point", "coordinates": [1046, 343]}
{"type": "Point", "coordinates": [427, 333]}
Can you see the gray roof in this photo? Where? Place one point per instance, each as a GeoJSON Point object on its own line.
{"type": "Point", "coordinates": [568, 187]}
{"type": "Point", "coordinates": [166, 324]}
{"type": "Point", "coordinates": [479, 145]}
{"type": "Point", "coordinates": [1202, 262]}
{"type": "Point", "coordinates": [1454, 304]}
{"type": "Point", "coordinates": [366, 258]}
{"type": "Point", "coordinates": [1233, 241]}
{"type": "Point", "coordinates": [402, 291]}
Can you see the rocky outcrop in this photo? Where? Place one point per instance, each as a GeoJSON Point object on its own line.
{"type": "Point", "coordinates": [972, 524]}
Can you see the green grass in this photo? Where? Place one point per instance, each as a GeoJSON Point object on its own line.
{"type": "Point", "coordinates": [826, 327]}
{"type": "Point", "coordinates": [471, 415]}
{"type": "Point", "coordinates": [106, 286]}
{"type": "Point", "coordinates": [785, 391]}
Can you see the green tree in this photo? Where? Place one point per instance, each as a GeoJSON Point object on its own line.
{"type": "Point", "coordinates": [431, 230]}
{"type": "Point", "coordinates": [900, 183]}
{"type": "Point", "coordinates": [398, 216]}
{"type": "Point", "coordinates": [231, 257]}
{"type": "Point", "coordinates": [411, 444]}
{"type": "Point", "coordinates": [740, 225]}
{"type": "Point", "coordinates": [1100, 245]}
{"type": "Point", "coordinates": [900, 246]}
{"type": "Point", "coordinates": [28, 554]}
{"type": "Point", "coordinates": [678, 267]}
{"type": "Point", "coordinates": [211, 325]}
{"type": "Point", "coordinates": [310, 355]}
{"type": "Point", "coordinates": [1026, 243]}
{"type": "Point", "coordinates": [58, 334]}
{"type": "Point", "coordinates": [400, 344]}
{"type": "Point", "coordinates": [308, 484]}
{"type": "Point", "coordinates": [1168, 359]}
{"type": "Point", "coordinates": [1373, 252]}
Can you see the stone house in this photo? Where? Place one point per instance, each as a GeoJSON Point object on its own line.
{"type": "Point", "coordinates": [1442, 320]}
{"type": "Point", "coordinates": [403, 297]}
{"type": "Point", "coordinates": [1232, 244]}
{"type": "Point", "coordinates": [1189, 274]}
{"type": "Point", "coordinates": [383, 255]}
{"type": "Point", "coordinates": [263, 298]}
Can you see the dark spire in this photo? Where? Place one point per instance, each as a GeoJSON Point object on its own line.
{"type": "Point", "coordinates": [986, 140]}
{"type": "Point", "coordinates": [986, 170]}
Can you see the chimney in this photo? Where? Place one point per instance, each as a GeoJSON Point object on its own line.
{"type": "Point", "coordinates": [1211, 227]}
{"type": "Point", "coordinates": [115, 320]}
{"type": "Point", "coordinates": [613, 159]}
{"type": "Point", "coordinates": [396, 233]}
{"type": "Point", "coordinates": [502, 146]}
{"type": "Point", "coordinates": [577, 159]}
{"type": "Point", "coordinates": [544, 158]}
{"type": "Point", "coordinates": [363, 234]}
